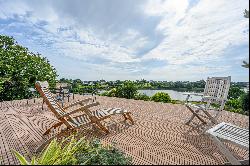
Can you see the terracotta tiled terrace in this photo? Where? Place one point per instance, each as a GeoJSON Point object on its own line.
{"type": "Point", "coordinates": [159, 135]}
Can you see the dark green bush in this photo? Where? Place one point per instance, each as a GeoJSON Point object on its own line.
{"type": "Point", "coordinates": [161, 97]}
{"type": "Point", "coordinates": [77, 152]}
{"type": "Point", "coordinates": [101, 155]}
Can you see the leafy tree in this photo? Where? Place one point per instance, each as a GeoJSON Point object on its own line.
{"type": "Point", "coordinates": [161, 97]}
{"type": "Point", "coordinates": [127, 90]}
{"type": "Point", "coordinates": [235, 92]}
{"type": "Point", "coordinates": [19, 69]}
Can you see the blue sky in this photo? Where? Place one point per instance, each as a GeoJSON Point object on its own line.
{"type": "Point", "coordinates": [133, 39]}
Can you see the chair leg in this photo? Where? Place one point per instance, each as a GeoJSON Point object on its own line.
{"type": "Point", "coordinates": [128, 116]}
{"type": "Point", "coordinates": [102, 127]}
{"type": "Point", "coordinates": [194, 115]}
{"type": "Point", "coordinates": [190, 120]}
{"type": "Point", "coordinates": [211, 118]}
{"type": "Point", "coordinates": [225, 151]}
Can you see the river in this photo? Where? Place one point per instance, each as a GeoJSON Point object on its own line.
{"type": "Point", "coordinates": [175, 95]}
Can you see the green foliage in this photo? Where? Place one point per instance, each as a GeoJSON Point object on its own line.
{"type": "Point", "coordinates": [19, 69]}
{"type": "Point", "coordinates": [245, 103]}
{"type": "Point", "coordinates": [127, 90]}
{"type": "Point", "coordinates": [71, 151]}
{"type": "Point", "coordinates": [21, 158]}
{"type": "Point", "coordinates": [177, 102]}
{"type": "Point", "coordinates": [246, 13]}
{"type": "Point", "coordinates": [106, 93]}
{"type": "Point", "coordinates": [97, 154]}
{"type": "Point", "coordinates": [235, 92]}
{"type": "Point", "coordinates": [140, 96]}
{"type": "Point", "coordinates": [161, 97]}
{"type": "Point", "coordinates": [238, 101]}
{"type": "Point", "coordinates": [57, 153]}
{"type": "Point", "coordinates": [233, 103]}
{"type": "Point", "coordinates": [235, 110]}
{"type": "Point", "coordinates": [240, 105]}
{"type": "Point", "coordinates": [245, 64]}
{"type": "Point", "coordinates": [110, 93]}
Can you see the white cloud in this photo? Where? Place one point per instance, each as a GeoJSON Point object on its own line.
{"type": "Point", "coordinates": [171, 11]}
{"type": "Point", "coordinates": [203, 34]}
{"type": "Point", "coordinates": [121, 34]}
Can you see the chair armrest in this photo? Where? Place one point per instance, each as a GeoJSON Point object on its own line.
{"type": "Point", "coordinates": [77, 102]}
{"type": "Point", "coordinates": [194, 94]}
{"type": "Point", "coordinates": [189, 94]}
{"type": "Point", "coordinates": [82, 108]}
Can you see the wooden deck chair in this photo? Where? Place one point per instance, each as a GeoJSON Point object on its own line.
{"type": "Point", "coordinates": [233, 134]}
{"type": "Point", "coordinates": [216, 91]}
{"type": "Point", "coordinates": [75, 122]}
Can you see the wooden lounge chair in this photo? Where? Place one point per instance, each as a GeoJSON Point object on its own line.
{"type": "Point", "coordinates": [75, 122]}
{"type": "Point", "coordinates": [215, 92]}
{"type": "Point", "coordinates": [233, 134]}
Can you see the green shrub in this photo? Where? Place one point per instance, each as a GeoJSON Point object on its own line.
{"type": "Point", "coordinates": [110, 93]}
{"type": "Point", "coordinates": [245, 103]}
{"type": "Point", "coordinates": [161, 97]}
{"type": "Point", "coordinates": [76, 152]}
{"type": "Point", "coordinates": [108, 155]}
{"type": "Point", "coordinates": [140, 96]}
{"type": "Point", "coordinates": [234, 103]}
{"type": "Point", "coordinates": [235, 110]}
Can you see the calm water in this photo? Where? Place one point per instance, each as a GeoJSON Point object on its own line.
{"type": "Point", "coordinates": [175, 95]}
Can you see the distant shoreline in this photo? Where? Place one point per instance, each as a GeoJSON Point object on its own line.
{"type": "Point", "coordinates": [176, 89]}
